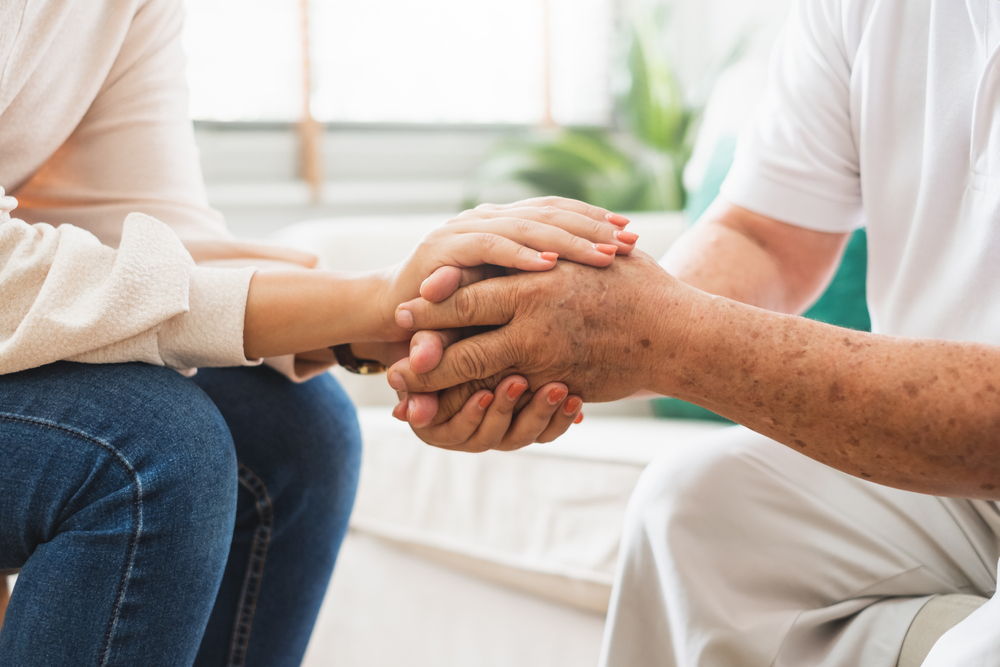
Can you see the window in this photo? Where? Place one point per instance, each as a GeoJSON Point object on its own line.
{"type": "Point", "coordinates": [400, 61]}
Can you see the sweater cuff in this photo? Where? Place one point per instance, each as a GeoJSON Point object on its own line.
{"type": "Point", "coordinates": [210, 333]}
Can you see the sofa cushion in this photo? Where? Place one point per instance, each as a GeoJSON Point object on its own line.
{"type": "Point", "coordinates": [546, 519]}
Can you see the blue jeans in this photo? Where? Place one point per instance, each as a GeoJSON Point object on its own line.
{"type": "Point", "coordinates": [160, 520]}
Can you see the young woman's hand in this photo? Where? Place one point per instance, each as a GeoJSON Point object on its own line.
{"type": "Point", "coordinates": [496, 413]}
{"type": "Point", "coordinates": [295, 311]}
{"type": "Point", "coordinates": [475, 418]}
{"type": "Point", "coordinates": [526, 236]}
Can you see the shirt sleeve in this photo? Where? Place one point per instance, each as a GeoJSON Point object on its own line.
{"type": "Point", "coordinates": [797, 161]}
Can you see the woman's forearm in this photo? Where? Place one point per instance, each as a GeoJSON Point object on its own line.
{"type": "Point", "coordinates": [296, 311]}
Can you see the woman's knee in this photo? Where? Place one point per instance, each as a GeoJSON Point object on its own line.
{"type": "Point", "coordinates": [186, 466]}
{"type": "Point", "coordinates": [132, 452]}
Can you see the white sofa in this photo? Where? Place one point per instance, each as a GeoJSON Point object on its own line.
{"type": "Point", "coordinates": [500, 559]}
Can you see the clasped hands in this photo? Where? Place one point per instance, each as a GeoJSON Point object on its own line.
{"type": "Point", "coordinates": [495, 353]}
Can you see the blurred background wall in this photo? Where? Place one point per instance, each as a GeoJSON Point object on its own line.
{"type": "Point", "coordinates": [407, 105]}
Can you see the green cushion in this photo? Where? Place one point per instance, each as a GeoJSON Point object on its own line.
{"type": "Point", "coordinates": [844, 302]}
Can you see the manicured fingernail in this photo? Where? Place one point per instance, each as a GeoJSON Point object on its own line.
{"type": "Point", "coordinates": [626, 237]}
{"type": "Point", "coordinates": [548, 256]}
{"type": "Point", "coordinates": [557, 395]}
{"type": "Point", "coordinates": [579, 418]}
{"type": "Point", "coordinates": [603, 248]}
{"type": "Point", "coordinates": [616, 219]}
{"type": "Point", "coordinates": [396, 381]}
{"type": "Point", "coordinates": [485, 401]}
{"type": "Point", "coordinates": [404, 318]}
{"type": "Point", "coordinates": [515, 390]}
{"type": "Point", "coordinates": [572, 405]}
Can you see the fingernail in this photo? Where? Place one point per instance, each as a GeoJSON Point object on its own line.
{"type": "Point", "coordinates": [409, 410]}
{"type": "Point", "coordinates": [396, 381]}
{"type": "Point", "coordinates": [579, 418]}
{"type": "Point", "coordinates": [548, 256]}
{"type": "Point", "coordinates": [626, 237]}
{"type": "Point", "coordinates": [616, 219]}
{"type": "Point", "coordinates": [603, 248]}
{"type": "Point", "coordinates": [557, 395]}
{"type": "Point", "coordinates": [515, 390]}
{"type": "Point", "coordinates": [573, 404]}
{"type": "Point", "coordinates": [404, 318]}
{"type": "Point", "coordinates": [485, 401]}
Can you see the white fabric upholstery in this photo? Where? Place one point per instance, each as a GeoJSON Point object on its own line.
{"type": "Point", "coordinates": [546, 519]}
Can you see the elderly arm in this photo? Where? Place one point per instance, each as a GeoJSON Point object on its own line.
{"type": "Point", "coordinates": [916, 414]}
{"type": "Point", "coordinates": [753, 259]}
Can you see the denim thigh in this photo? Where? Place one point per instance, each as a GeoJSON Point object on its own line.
{"type": "Point", "coordinates": [117, 500]}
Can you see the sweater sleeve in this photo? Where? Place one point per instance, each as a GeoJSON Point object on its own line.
{"type": "Point", "coordinates": [125, 289]}
{"type": "Point", "coordinates": [67, 296]}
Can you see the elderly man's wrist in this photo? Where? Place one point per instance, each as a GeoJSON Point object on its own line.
{"type": "Point", "coordinates": [682, 319]}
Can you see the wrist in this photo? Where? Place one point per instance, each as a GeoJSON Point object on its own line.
{"type": "Point", "coordinates": [682, 320]}
{"type": "Point", "coordinates": [296, 311]}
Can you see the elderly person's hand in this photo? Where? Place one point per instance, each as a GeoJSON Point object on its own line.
{"type": "Point", "coordinates": [591, 329]}
{"type": "Point", "coordinates": [469, 417]}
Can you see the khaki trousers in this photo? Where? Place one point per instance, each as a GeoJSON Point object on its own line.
{"type": "Point", "coordinates": [742, 552]}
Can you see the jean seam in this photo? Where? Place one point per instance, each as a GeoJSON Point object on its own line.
{"type": "Point", "coordinates": [250, 591]}
{"type": "Point", "coordinates": [136, 518]}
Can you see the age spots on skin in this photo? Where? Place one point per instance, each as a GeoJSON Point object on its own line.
{"type": "Point", "coordinates": [836, 394]}
{"type": "Point", "coordinates": [645, 342]}
{"type": "Point", "coordinates": [911, 389]}
{"type": "Point", "coordinates": [801, 444]}
{"type": "Point", "coordinates": [988, 487]}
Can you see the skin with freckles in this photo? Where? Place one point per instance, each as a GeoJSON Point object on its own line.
{"type": "Point", "coordinates": [916, 414]}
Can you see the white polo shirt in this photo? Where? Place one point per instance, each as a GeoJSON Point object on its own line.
{"type": "Point", "coordinates": [886, 114]}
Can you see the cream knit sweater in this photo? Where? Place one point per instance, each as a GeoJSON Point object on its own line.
{"type": "Point", "coordinates": [97, 148]}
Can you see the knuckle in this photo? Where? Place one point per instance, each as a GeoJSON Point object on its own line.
{"type": "Point", "coordinates": [600, 230]}
{"type": "Point", "coordinates": [523, 227]}
{"type": "Point", "coordinates": [510, 349]}
{"type": "Point", "coordinates": [466, 305]}
{"type": "Point", "coordinates": [470, 363]}
{"type": "Point", "coordinates": [490, 242]}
